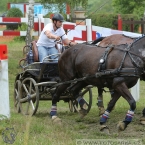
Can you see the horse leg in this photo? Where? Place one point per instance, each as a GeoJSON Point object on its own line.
{"type": "Point", "coordinates": [115, 96]}
{"type": "Point", "coordinates": [55, 98]}
{"type": "Point", "coordinates": [120, 90]}
{"type": "Point", "coordinates": [125, 93]}
{"type": "Point", "coordinates": [142, 119]}
{"type": "Point", "coordinates": [65, 76]}
{"type": "Point", "coordinates": [75, 91]}
{"type": "Point", "coordinates": [100, 103]}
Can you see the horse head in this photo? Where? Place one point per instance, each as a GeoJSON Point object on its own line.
{"type": "Point", "coordinates": [138, 51]}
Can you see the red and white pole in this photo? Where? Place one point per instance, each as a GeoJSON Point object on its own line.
{"type": "Point", "coordinates": [68, 11]}
{"type": "Point", "coordinates": [4, 86]}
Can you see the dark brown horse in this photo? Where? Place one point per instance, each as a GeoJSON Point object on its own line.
{"type": "Point", "coordinates": [116, 39]}
{"type": "Point", "coordinates": [116, 67]}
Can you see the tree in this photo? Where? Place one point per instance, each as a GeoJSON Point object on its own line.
{"type": "Point", "coordinates": [129, 7]}
{"type": "Point", "coordinates": [3, 6]}
{"type": "Point", "coordinates": [30, 22]}
{"type": "Point", "coordinates": [72, 3]}
{"type": "Point", "coordinates": [94, 5]}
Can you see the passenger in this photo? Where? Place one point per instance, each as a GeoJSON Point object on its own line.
{"type": "Point", "coordinates": [51, 33]}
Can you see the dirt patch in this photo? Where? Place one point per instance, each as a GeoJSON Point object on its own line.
{"type": "Point", "coordinates": [6, 38]}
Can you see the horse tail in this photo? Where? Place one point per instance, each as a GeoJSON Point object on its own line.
{"type": "Point", "coordinates": [98, 40]}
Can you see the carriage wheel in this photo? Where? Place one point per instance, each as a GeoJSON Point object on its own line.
{"type": "Point", "coordinates": [23, 62]}
{"type": "Point", "coordinates": [72, 104]}
{"type": "Point", "coordinates": [29, 97]}
{"type": "Point", "coordinates": [17, 96]}
{"type": "Point", "coordinates": [26, 49]}
{"type": "Point", "coordinates": [87, 96]}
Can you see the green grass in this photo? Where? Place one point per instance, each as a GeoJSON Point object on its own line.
{"type": "Point", "coordinates": [39, 130]}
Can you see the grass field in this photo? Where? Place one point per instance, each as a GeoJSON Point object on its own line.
{"type": "Point", "coordinates": [39, 130]}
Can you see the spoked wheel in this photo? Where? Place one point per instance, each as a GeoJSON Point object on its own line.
{"type": "Point", "coordinates": [29, 97]}
{"type": "Point", "coordinates": [26, 49]}
{"type": "Point", "coordinates": [23, 63]}
{"type": "Point", "coordinates": [86, 93]}
{"type": "Point", "coordinates": [72, 104]}
{"type": "Point", "coordinates": [17, 96]}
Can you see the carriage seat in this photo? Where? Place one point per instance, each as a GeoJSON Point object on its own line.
{"type": "Point", "coordinates": [35, 51]}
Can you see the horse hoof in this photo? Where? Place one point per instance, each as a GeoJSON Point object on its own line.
{"type": "Point", "coordinates": [83, 113]}
{"type": "Point", "coordinates": [121, 126]}
{"type": "Point", "coordinates": [101, 111]}
{"type": "Point", "coordinates": [56, 120]}
{"type": "Point", "coordinates": [104, 129]}
{"type": "Point", "coordinates": [142, 120]}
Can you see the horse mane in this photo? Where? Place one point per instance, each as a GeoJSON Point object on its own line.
{"type": "Point", "coordinates": [138, 38]}
{"type": "Point", "coordinates": [98, 40]}
{"type": "Point", "coordinates": [101, 38]}
{"type": "Point", "coordinates": [130, 36]}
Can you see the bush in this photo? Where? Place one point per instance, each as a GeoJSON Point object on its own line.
{"type": "Point", "coordinates": [14, 12]}
{"type": "Point", "coordinates": [23, 27]}
{"type": "Point", "coordinates": [110, 21]}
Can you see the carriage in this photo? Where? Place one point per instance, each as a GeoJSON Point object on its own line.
{"type": "Point", "coordinates": [38, 80]}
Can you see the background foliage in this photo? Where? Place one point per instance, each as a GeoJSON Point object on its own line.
{"type": "Point", "coordinates": [102, 16]}
{"type": "Point", "coordinates": [110, 20]}
{"type": "Point", "coordinates": [3, 4]}
{"type": "Point", "coordinates": [136, 7]}
{"type": "Point", "coordinates": [14, 12]}
{"type": "Point", "coordinates": [94, 5]}
{"type": "Point", "coordinates": [23, 27]}
{"type": "Point", "coordinates": [72, 3]}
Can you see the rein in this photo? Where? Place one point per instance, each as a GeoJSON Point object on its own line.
{"type": "Point", "coordinates": [105, 73]}
{"type": "Point", "coordinates": [130, 52]}
{"type": "Point", "coordinates": [127, 51]}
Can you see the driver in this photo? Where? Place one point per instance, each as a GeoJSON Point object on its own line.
{"type": "Point", "coordinates": [51, 33]}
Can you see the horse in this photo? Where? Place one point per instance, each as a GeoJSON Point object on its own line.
{"type": "Point", "coordinates": [116, 67]}
{"type": "Point", "coordinates": [116, 39]}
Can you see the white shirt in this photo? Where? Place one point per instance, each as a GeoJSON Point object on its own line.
{"type": "Point", "coordinates": [45, 41]}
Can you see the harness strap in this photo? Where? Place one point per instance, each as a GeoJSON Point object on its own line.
{"type": "Point", "coordinates": [129, 52]}
{"type": "Point", "coordinates": [102, 63]}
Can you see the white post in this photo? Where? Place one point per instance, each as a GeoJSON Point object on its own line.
{"type": "Point", "coordinates": [46, 21]}
{"type": "Point", "coordinates": [40, 16]}
{"type": "Point", "coordinates": [4, 86]}
{"type": "Point", "coordinates": [135, 91]}
{"type": "Point", "coordinates": [68, 17]}
{"type": "Point", "coordinates": [89, 29]}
